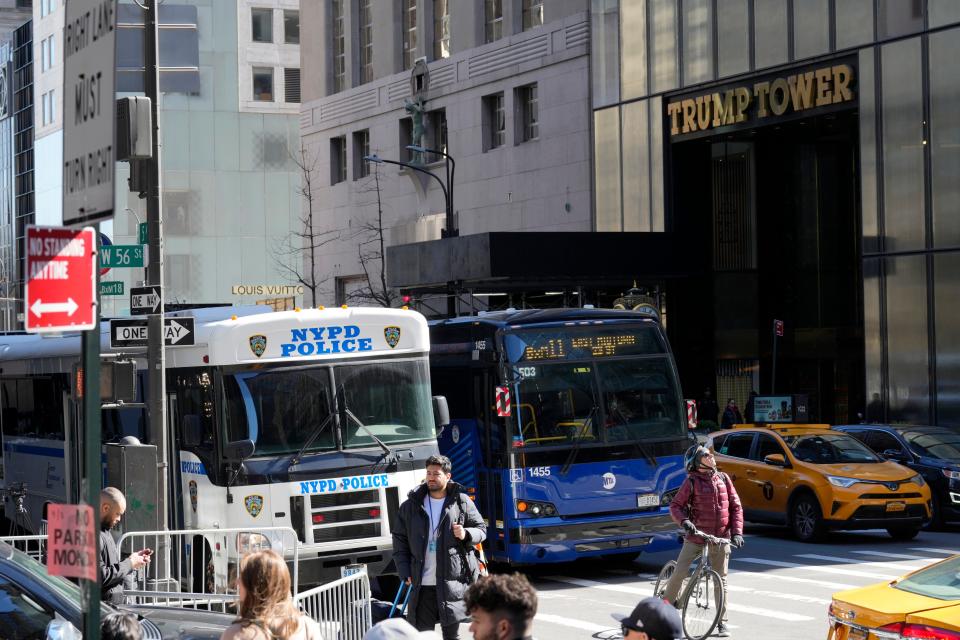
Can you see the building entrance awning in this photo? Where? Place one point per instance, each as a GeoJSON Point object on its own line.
{"type": "Point", "coordinates": [518, 260]}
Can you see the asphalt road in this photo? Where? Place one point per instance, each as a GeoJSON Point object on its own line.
{"type": "Point", "coordinates": [778, 587]}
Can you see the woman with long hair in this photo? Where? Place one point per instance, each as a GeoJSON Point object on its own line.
{"type": "Point", "coordinates": [265, 604]}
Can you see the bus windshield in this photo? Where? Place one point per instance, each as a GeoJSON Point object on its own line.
{"type": "Point", "coordinates": [280, 409]}
{"type": "Point", "coordinates": [615, 401]}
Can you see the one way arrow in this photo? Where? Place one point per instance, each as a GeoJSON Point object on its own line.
{"type": "Point", "coordinates": [40, 307]}
{"type": "Point", "coordinates": [176, 331]}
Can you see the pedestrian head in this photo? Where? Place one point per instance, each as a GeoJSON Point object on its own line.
{"type": "Point", "coordinates": [112, 507]}
{"type": "Point", "coordinates": [438, 473]}
{"type": "Point", "coordinates": [652, 618]}
{"type": "Point", "coordinates": [120, 626]}
{"type": "Point", "coordinates": [263, 588]}
{"type": "Point", "coordinates": [698, 458]}
{"type": "Point", "coordinates": [397, 629]}
{"type": "Point", "coordinates": [731, 403]}
{"type": "Point", "coordinates": [501, 607]}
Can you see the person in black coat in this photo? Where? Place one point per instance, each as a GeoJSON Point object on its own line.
{"type": "Point", "coordinates": [708, 409]}
{"type": "Point", "coordinates": [748, 413]}
{"type": "Point", "coordinates": [115, 574]}
{"type": "Point", "coordinates": [433, 545]}
{"type": "Point", "coordinates": [731, 415]}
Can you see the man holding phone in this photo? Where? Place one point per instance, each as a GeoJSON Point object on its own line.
{"type": "Point", "coordinates": [115, 574]}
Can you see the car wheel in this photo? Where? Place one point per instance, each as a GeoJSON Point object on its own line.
{"type": "Point", "coordinates": [903, 533]}
{"type": "Point", "coordinates": [936, 518]}
{"type": "Point", "coordinates": [806, 519]}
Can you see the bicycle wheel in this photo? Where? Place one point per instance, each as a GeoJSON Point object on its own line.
{"type": "Point", "coordinates": [663, 577]}
{"type": "Point", "coordinates": [702, 604]}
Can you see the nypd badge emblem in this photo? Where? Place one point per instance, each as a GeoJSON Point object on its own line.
{"type": "Point", "coordinates": [392, 336]}
{"type": "Point", "coordinates": [258, 344]}
{"type": "Point", "coordinates": [254, 505]}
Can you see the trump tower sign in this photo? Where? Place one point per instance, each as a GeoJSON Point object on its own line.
{"type": "Point", "coordinates": [61, 282]}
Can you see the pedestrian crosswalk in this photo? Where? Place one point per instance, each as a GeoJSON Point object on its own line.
{"type": "Point", "coordinates": [793, 587]}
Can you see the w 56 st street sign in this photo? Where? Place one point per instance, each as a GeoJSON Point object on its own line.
{"type": "Point", "coordinates": [60, 290]}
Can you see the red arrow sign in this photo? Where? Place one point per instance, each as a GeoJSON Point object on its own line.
{"type": "Point", "coordinates": [61, 283]}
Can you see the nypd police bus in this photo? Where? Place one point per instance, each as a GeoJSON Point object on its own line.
{"type": "Point", "coordinates": [319, 420]}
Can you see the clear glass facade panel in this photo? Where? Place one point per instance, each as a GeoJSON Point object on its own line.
{"type": "Point", "coordinates": [633, 23]}
{"type": "Point", "coordinates": [868, 152]}
{"type": "Point", "coordinates": [811, 28]}
{"type": "Point", "coordinates": [605, 51]}
{"type": "Point", "coordinates": [941, 12]}
{"type": "Point", "coordinates": [770, 31]}
{"type": "Point", "coordinates": [873, 347]}
{"type": "Point", "coordinates": [854, 23]}
{"type": "Point", "coordinates": [657, 215]}
{"type": "Point", "coordinates": [606, 125]}
{"type": "Point", "coordinates": [636, 166]}
{"type": "Point", "coordinates": [733, 37]}
{"type": "Point", "coordinates": [663, 45]}
{"type": "Point", "coordinates": [945, 137]}
{"type": "Point", "coordinates": [898, 17]}
{"type": "Point", "coordinates": [946, 269]}
{"type": "Point", "coordinates": [697, 42]}
{"type": "Point", "coordinates": [907, 356]}
{"type": "Point", "coordinates": [902, 110]}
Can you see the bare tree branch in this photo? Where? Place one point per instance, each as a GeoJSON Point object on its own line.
{"type": "Point", "coordinates": [371, 249]}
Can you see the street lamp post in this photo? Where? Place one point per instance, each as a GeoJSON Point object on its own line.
{"type": "Point", "coordinates": [451, 230]}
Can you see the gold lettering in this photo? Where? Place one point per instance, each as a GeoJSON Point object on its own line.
{"type": "Point", "coordinates": [743, 101]}
{"type": "Point", "coordinates": [703, 112]}
{"type": "Point", "coordinates": [689, 111]}
{"type": "Point", "coordinates": [842, 75]}
{"type": "Point", "coordinates": [801, 90]}
{"type": "Point", "coordinates": [824, 92]}
{"type": "Point", "coordinates": [673, 110]}
{"type": "Point", "coordinates": [779, 96]}
{"type": "Point", "coordinates": [761, 90]}
{"type": "Point", "coordinates": [723, 109]}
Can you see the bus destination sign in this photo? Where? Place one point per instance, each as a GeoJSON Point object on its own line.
{"type": "Point", "coordinates": [576, 345]}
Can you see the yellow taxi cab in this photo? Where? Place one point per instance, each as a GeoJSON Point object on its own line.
{"type": "Point", "coordinates": [814, 479]}
{"type": "Point", "coordinates": [922, 604]}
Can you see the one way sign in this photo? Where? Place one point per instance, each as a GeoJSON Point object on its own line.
{"type": "Point", "coordinates": [133, 332]}
{"type": "Point", "coordinates": [144, 300]}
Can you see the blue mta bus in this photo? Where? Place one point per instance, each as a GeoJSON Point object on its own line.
{"type": "Point", "coordinates": [591, 453]}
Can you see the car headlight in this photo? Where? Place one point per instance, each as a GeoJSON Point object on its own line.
{"type": "Point", "coordinates": [248, 542]}
{"type": "Point", "coordinates": [536, 509]}
{"type": "Point", "coordinates": [840, 481]}
{"type": "Point", "coordinates": [953, 475]}
{"type": "Point", "coordinates": [918, 480]}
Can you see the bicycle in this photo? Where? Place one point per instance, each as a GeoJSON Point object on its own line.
{"type": "Point", "coordinates": [702, 600]}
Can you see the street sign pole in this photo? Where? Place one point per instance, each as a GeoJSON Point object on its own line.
{"type": "Point", "coordinates": [90, 345]}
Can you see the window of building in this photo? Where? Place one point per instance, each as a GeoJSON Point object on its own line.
{"type": "Point", "coordinates": [338, 159]}
{"type": "Point", "coordinates": [49, 106]}
{"type": "Point", "coordinates": [291, 85]}
{"type": "Point", "coordinates": [494, 122]}
{"type": "Point", "coordinates": [492, 20]}
{"type": "Point", "coordinates": [529, 113]}
{"type": "Point", "coordinates": [46, 6]}
{"type": "Point", "coordinates": [46, 53]}
{"type": "Point", "coordinates": [437, 122]}
{"type": "Point", "coordinates": [532, 14]}
{"type": "Point", "coordinates": [338, 53]}
{"type": "Point", "coordinates": [406, 138]}
{"type": "Point", "coordinates": [263, 84]}
{"type": "Point", "coordinates": [409, 22]}
{"type": "Point", "coordinates": [441, 29]}
{"type": "Point", "coordinates": [262, 25]}
{"type": "Point", "coordinates": [366, 42]}
{"type": "Point", "coordinates": [361, 149]}
{"type": "Point", "coordinates": [291, 26]}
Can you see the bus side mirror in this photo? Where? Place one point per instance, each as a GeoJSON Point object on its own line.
{"type": "Point", "coordinates": [238, 450]}
{"type": "Point", "coordinates": [441, 411]}
{"type": "Point", "coordinates": [192, 430]}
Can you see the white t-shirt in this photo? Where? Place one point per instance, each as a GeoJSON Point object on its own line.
{"type": "Point", "coordinates": [434, 508]}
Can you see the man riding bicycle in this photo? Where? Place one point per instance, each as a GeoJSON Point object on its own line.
{"type": "Point", "coordinates": [708, 502]}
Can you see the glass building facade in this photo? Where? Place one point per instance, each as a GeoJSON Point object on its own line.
{"type": "Point", "coordinates": [828, 198]}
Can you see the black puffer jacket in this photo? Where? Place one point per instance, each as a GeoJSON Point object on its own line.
{"type": "Point", "coordinates": [457, 565]}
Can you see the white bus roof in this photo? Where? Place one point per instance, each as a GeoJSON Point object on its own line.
{"type": "Point", "coordinates": [246, 335]}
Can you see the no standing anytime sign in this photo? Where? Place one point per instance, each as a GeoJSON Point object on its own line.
{"type": "Point", "coordinates": [61, 293]}
{"type": "Point", "coordinates": [89, 120]}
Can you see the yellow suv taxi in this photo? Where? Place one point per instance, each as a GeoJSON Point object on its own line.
{"type": "Point", "coordinates": [814, 479]}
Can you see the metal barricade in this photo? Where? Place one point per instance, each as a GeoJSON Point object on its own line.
{"type": "Point", "coordinates": [198, 568]}
{"type": "Point", "coordinates": [341, 607]}
{"type": "Point", "coordinates": [33, 546]}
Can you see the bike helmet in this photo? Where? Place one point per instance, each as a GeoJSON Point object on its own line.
{"type": "Point", "coordinates": [691, 459]}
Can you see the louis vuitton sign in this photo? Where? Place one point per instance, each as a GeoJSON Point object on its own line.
{"type": "Point", "coordinates": [776, 97]}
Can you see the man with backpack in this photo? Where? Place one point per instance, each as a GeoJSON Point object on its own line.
{"type": "Point", "coordinates": [433, 543]}
{"type": "Point", "coordinates": [708, 502]}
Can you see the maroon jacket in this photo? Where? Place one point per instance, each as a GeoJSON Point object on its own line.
{"type": "Point", "coordinates": [711, 502]}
